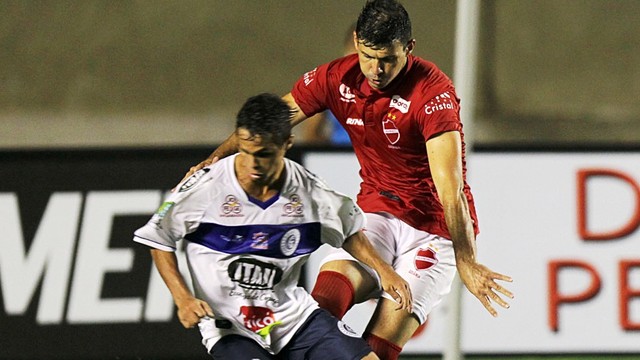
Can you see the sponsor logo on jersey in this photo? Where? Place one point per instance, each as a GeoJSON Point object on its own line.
{"type": "Point", "coordinates": [161, 212]}
{"type": "Point", "coordinates": [231, 207]}
{"type": "Point", "coordinates": [193, 180]}
{"type": "Point", "coordinates": [294, 208]}
{"type": "Point", "coordinates": [309, 77]}
{"type": "Point", "coordinates": [346, 95]}
{"type": "Point", "coordinates": [425, 259]}
{"type": "Point", "coordinates": [260, 241]}
{"type": "Point", "coordinates": [347, 330]}
{"type": "Point", "coordinates": [260, 320]}
{"type": "Point", "coordinates": [399, 103]}
{"type": "Point", "coordinates": [390, 129]}
{"type": "Point", "coordinates": [289, 242]}
{"type": "Point", "coordinates": [353, 121]}
{"type": "Point", "coordinates": [254, 274]}
{"type": "Point", "coordinates": [440, 102]}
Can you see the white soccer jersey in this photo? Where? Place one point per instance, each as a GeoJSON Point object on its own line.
{"type": "Point", "coordinates": [244, 255]}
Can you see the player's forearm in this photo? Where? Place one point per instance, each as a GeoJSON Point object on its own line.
{"type": "Point", "coordinates": [358, 246]}
{"type": "Point", "coordinates": [228, 147]}
{"type": "Point", "coordinates": [167, 265]}
{"type": "Point", "coordinates": [460, 225]}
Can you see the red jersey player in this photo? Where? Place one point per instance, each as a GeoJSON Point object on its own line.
{"type": "Point", "coordinates": [402, 115]}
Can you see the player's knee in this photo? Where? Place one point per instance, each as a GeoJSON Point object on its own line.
{"type": "Point", "coordinates": [338, 266]}
{"type": "Point", "coordinates": [363, 283]}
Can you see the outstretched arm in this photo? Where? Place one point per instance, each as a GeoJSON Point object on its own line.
{"type": "Point", "coordinates": [358, 246]}
{"type": "Point", "coordinates": [190, 309]}
{"type": "Point", "coordinates": [445, 160]}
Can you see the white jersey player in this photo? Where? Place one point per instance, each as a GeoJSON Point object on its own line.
{"type": "Point", "coordinates": [250, 222]}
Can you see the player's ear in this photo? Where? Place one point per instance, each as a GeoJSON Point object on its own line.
{"type": "Point", "coordinates": [411, 44]}
{"type": "Point", "coordinates": [289, 142]}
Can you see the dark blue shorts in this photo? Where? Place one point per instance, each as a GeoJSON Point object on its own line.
{"type": "Point", "coordinates": [321, 337]}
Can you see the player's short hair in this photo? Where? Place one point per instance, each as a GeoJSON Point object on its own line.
{"type": "Point", "coordinates": [266, 115]}
{"type": "Point", "coordinates": [381, 22]}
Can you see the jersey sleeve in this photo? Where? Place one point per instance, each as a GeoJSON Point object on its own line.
{"type": "Point", "coordinates": [310, 91]}
{"type": "Point", "coordinates": [339, 214]}
{"type": "Point", "coordinates": [440, 114]}
{"type": "Point", "coordinates": [178, 215]}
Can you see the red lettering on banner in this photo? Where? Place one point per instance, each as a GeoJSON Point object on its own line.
{"type": "Point", "coordinates": [556, 298]}
{"type": "Point", "coordinates": [583, 225]}
{"type": "Point", "coordinates": [627, 294]}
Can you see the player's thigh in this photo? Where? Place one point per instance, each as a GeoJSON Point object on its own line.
{"type": "Point", "coordinates": [429, 268]}
{"type": "Point", "coordinates": [324, 337]}
{"type": "Point", "coordinates": [239, 347]}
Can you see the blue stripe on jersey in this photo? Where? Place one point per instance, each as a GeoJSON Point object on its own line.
{"type": "Point", "coordinates": [274, 241]}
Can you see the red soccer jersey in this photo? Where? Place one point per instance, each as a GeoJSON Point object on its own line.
{"type": "Point", "coordinates": [388, 130]}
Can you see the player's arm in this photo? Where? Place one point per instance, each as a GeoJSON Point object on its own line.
{"type": "Point", "coordinates": [298, 115]}
{"type": "Point", "coordinates": [190, 309]}
{"type": "Point", "coordinates": [358, 246]}
{"type": "Point", "coordinates": [445, 160]}
{"type": "Point", "coordinates": [314, 129]}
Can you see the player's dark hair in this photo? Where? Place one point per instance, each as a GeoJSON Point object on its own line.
{"type": "Point", "coordinates": [266, 115]}
{"type": "Point", "coordinates": [381, 22]}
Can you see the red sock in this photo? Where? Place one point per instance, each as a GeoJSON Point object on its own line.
{"type": "Point", "coordinates": [334, 292]}
{"type": "Point", "coordinates": [385, 349]}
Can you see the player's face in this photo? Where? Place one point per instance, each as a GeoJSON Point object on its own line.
{"type": "Point", "coordinates": [260, 161]}
{"type": "Point", "coordinates": [381, 65]}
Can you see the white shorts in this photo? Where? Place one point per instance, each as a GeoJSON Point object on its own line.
{"type": "Point", "coordinates": [424, 260]}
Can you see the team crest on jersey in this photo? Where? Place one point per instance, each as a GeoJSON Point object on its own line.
{"type": "Point", "coordinates": [399, 103]}
{"type": "Point", "coordinates": [294, 208]}
{"type": "Point", "coordinates": [425, 259]}
{"type": "Point", "coordinates": [231, 207]}
{"type": "Point", "coordinates": [390, 129]}
{"type": "Point", "coordinates": [289, 242]}
{"type": "Point", "coordinates": [193, 180]}
{"type": "Point", "coordinates": [346, 95]}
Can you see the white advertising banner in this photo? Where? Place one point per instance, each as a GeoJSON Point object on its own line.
{"type": "Point", "coordinates": [564, 226]}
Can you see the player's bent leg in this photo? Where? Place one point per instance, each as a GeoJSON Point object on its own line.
{"type": "Point", "coordinates": [389, 330]}
{"type": "Point", "coordinates": [341, 284]}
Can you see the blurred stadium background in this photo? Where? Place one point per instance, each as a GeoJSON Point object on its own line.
{"type": "Point", "coordinates": [149, 73]}
{"type": "Point", "coordinates": [163, 79]}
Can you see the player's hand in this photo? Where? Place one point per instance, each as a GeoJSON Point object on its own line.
{"type": "Point", "coordinates": [481, 282]}
{"type": "Point", "coordinates": [195, 168]}
{"type": "Point", "coordinates": [191, 310]}
{"type": "Point", "coordinates": [394, 285]}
